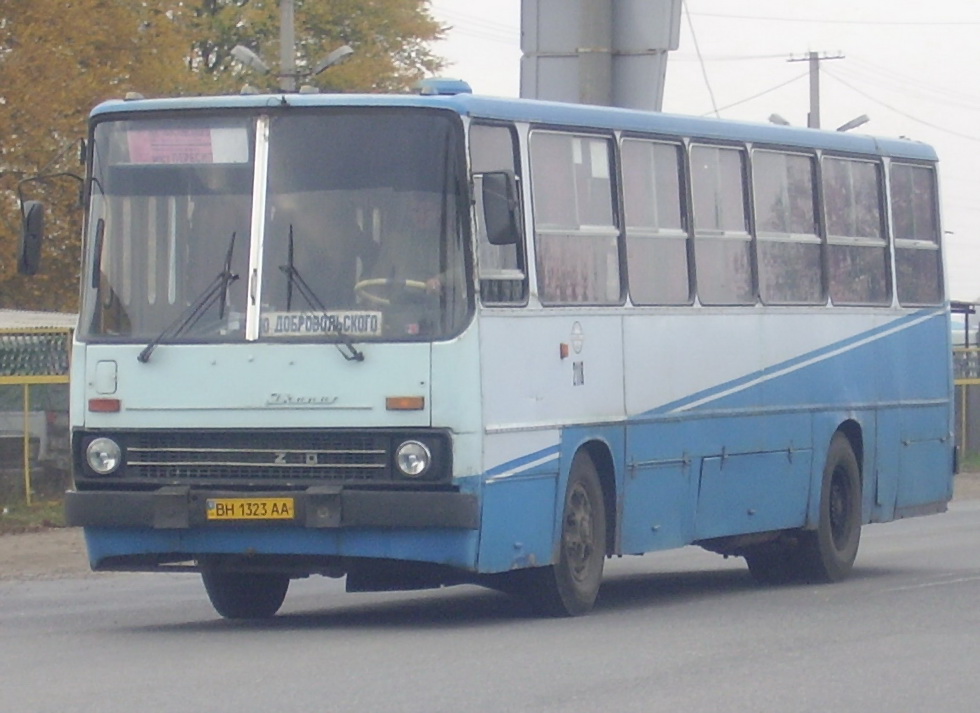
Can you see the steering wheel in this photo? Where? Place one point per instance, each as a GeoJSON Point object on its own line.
{"type": "Point", "coordinates": [365, 288]}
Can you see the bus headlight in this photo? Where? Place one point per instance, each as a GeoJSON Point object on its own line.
{"type": "Point", "coordinates": [413, 458]}
{"type": "Point", "coordinates": [104, 455]}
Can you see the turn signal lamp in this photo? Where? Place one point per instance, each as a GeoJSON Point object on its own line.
{"type": "Point", "coordinates": [104, 405]}
{"type": "Point", "coordinates": [405, 403]}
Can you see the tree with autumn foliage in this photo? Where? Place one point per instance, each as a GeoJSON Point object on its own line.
{"type": "Point", "coordinates": [390, 39]}
{"type": "Point", "coordinates": [58, 58]}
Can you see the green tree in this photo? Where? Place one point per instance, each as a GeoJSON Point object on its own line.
{"type": "Point", "coordinates": [58, 58]}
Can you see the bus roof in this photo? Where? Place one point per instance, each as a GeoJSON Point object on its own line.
{"type": "Point", "coordinates": [580, 116]}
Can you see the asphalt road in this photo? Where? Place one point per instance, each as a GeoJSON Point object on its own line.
{"type": "Point", "coordinates": [677, 631]}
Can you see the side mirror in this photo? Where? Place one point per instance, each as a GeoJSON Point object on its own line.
{"type": "Point", "coordinates": [32, 235]}
{"type": "Point", "coordinates": [500, 208]}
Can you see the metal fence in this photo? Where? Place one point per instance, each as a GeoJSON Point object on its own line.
{"type": "Point", "coordinates": [966, 372]}
{"type": "Point", "coordinates": [34, 433]}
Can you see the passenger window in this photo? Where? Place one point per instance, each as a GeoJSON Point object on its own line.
{"type": "Point", "coordinates": [722, 244]}
{"type": "Point", "coordinates": [857, 249]}
{"type": "Point", "coordinates": [577, 239]}
{"type": "Point", "coordinates": [656, 233]}
{"type": "Point", "coordinates": [788, 245]}
{"type": "Point", "coordinates": [915, 219]}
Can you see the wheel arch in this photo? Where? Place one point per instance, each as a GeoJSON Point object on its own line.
{"type": "Point", "coordinates": [853, 431]}
{"type": "Point", "coordinates": [855, 435]}
{"type": "Point", "coordinates": [602, 459]}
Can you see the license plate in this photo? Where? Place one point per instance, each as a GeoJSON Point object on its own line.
{"type": "Point", "coordinates": [251, 508]}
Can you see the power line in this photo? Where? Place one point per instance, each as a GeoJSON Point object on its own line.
{"type": "Point", "coordinates": [680, 56]}
{"type": "Point", "coordinates": [813, 20]}
{"type": "Point", "coordinates": [482, 22]}
{"type": "Point", "coordinates": [762, 93]}
{"type": "Point", "coordinates": [464, 23]}
{"type": "Point", "coordinates": [704, 71]}
{"type": "Point", "coordinates": [905, 83]}
{"type": "Point", "coordinates": [867, 96]}
{"type": "Point", "coordinates": [509, 40]}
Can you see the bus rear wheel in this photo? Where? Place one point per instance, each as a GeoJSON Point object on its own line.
{"type": "Point", "coordinates": [571, 585]}
{"type": "Point", "coordinates": [244, 595]}
{"type": "Point", "coordinates": [827, 554]}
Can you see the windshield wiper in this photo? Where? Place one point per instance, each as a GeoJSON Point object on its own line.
{"type": "Point", "coordinates": [217, 290]}
{"type": "Point", "coordinates": [346, 347]}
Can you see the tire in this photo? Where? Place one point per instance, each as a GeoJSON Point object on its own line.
{"type": "Point", "coordinates": [827, 554]}
{"type": "Point", "coordinates": [570, 586]}
{"type": "Point", "coordinates": [240, 595]}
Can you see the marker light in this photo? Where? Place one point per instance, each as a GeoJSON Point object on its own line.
{"type": "Point", "coordinates": [405, 403]}
{"type": "Point", "coordinates": [103, 455]}
{"type": "Point", "coordinates": [413, 458]}
{"type": "Point", "coordinates": [104, 405]}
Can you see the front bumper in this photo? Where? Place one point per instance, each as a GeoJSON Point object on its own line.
{"type": "Point", "coordinates": [326, 507]}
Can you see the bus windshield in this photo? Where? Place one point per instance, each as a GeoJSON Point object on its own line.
{"type": "Point", "coordinates": [312, 225]}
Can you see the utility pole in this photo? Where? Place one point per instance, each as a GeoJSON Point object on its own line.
{"type": "Point", "coordinates": [813, 118]}
{"type": "Point", "coordinates": [595, 56]}
{"type": "Point", "coordinates": [287, 46]}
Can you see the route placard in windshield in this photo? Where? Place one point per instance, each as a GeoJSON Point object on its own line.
{"type": "Point", "coordinates": [188, 146]}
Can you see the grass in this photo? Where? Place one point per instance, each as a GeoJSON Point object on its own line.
{"type": "Point", "coordinates": [21, 517]}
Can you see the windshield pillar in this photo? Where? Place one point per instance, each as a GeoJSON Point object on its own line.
{"type": "Point", "coordinates": [257, 251]}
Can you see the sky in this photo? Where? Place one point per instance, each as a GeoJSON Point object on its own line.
{"type": "Point", "coordinates": [911, 66]}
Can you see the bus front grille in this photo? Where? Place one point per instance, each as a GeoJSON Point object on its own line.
{"type": "Point", "coordinates": [258, 456]}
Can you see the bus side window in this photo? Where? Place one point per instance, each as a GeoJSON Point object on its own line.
{"type": "Point", "coordinates": [788, 245]}
{"type": "Point", "coordinates": [502, 273]}
{"type": "Point", "coordinates": [915, 221]}
{"type": "Point", "coordinates": [656, 227]}
{"type": "Point", "coordinates": [575, 228]}
{"type": "Point", "coordinates": [722, 243]}
{"type": "Point", "coordinates": [858, 250]}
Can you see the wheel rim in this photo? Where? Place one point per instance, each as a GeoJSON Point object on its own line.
{"type": "Point", "coordinates": [579, 534]}
{"type": "Point", "coordinates": [840, 509]}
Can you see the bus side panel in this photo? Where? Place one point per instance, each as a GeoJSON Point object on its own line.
{"type": "Point", "coordinates": [752, 492]}
{"type": "Point", "coordinates": [517, 529]}
{"type": "Point", "coordinates": [659, 490]}
{"type": "Point", "coordinates": [755, 477]}
{"type": "Point", "coordinates": [542, 373]}
{"type": "Point", "coordinates": [456, 397]}
{"type": "Point", "coordinates": [925, 475]}
{"type": "Point", "coordinates": [924, 457]}
{"type": "Point", "coordinates": [914, 447]}
{"type": "Point", "coordinates": [519, 497]}
{"type": "Point", "coordinates": [544, 370]}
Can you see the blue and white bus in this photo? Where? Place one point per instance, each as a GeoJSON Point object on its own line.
{"type": "Point", "coordinates": [430, 339]}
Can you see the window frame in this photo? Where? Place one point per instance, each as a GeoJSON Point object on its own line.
{"type": "Point", "coordinates": [791, 237]}
{"type": "Point", "coordinates": [478, 229]}
{"type": "Point", "coordinates": [914, 245]}
{"type": "Point", "coordinates": [656, 234]}
{"type": "Point", "coordinates": [703, 237]}
{"type": "Point", "coordinates": [588, 231]}
{"type": "Point", "coordinates": [832, 241]}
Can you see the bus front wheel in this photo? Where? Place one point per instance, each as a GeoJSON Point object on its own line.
{"type": "Point", "coordinates": [571, 585]}
{"type": "Point", "coordinates": [244, 595]}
